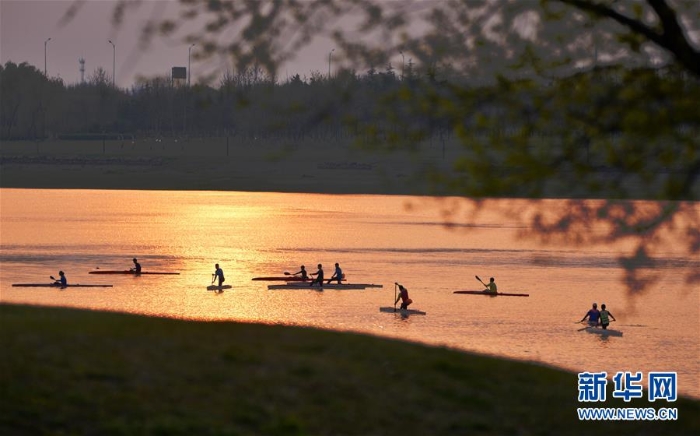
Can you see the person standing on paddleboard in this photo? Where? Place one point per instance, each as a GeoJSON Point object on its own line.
{"type": "Point", "coordinates": [218, 273]}
{"type": "Point", "coordinates": [337, 275]}
{"type": "Point", "coordinates": [319, 276]}
{"type": "Point", "coordinates": [137, 266]}
{"type": "Point", "coordinates": [62, 281]}
{"type": "Point", "coordinates": [403, 296]}
{"type": "Point", "coordinates": [593, 316]}
{"type": "Point", "coordinates": [302, 273]}
{"type": "Point", "coordinates": [605, 316]}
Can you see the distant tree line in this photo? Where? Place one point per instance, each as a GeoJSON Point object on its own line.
{"type": "Point", "coordinates": [378, 107]}
{"type": "Point", "coordinates": [247, 103]}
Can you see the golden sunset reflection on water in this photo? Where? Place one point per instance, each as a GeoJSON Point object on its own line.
{"type": "Point", "coordinates": [376, 239]}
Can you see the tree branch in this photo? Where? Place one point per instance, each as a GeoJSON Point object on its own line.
{"type": "Point", "coordinates": [671, 37]}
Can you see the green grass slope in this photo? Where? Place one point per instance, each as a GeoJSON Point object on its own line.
{"type": "Point", "coordinates": [66, 372]}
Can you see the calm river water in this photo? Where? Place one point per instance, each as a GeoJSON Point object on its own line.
{"type": "Point", "coordinates": [376, 239]}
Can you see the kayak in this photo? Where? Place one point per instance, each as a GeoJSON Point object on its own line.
{"type": "Point", "coordinates": [491, 294]}
{"type": "Point", "coordinates": [218, 288]}
{"type": "Point", "coordinates": [325, 286]}
{"type": "Point", "coordinates": [604, 332]}
{"type": "Point", "coordinates": [402, 311]}
{"type": "Point", "coordinates": [133, 273]}
{"type": "Point", "coordinates": [282, 279]}
{"type": "Point", "coordinates": [51, 285]}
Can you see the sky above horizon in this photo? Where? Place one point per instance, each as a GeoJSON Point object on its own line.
{"type": "Point", "coordinates": [25, 25]}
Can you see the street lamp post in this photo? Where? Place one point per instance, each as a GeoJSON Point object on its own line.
{"type": "Point", "coordinates": [403, 64]}
{"type": "Point", "coordinates": [114, 60]}
{"type": "Point", "coordinates": [45, 42]}
{"type": "Point", "coordinates": [189, 55]}
{"type": "Point", "coordinates": [329, 64]}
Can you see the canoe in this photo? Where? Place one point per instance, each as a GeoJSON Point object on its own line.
{"type": "Point", "coordinates": [604, 332]}
{"type": "Point", "coordinates": [51, 285]}
{"type": "Point", "coordinates": [491, 294]}
{"type": "Point", "coordinates": [282, 279]}
{"type": "Point", "coordinates": [218, 288]}
{"type": "Point", "coordinates": [133, 273]}
{"type": "Point", "coordinates": [305, 285]}
{"type": "Point", "coordinates": [402, 311]}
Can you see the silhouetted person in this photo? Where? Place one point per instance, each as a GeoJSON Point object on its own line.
{"type": "Point", "coordinates": [319, 276]}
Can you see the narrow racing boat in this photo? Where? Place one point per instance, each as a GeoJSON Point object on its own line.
{"type": "Point", "coordinates": [282, 279]}
{"type": "Point", "coordinates": [307, 285]}
{"type": "Point", "coordinates": [133, 272]}
{"type": "Point", "coordinates": [491, 294]}
{"type": "Point", "coordinates": [51, 285]}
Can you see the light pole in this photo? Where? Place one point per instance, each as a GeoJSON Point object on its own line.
{"type": "Point", "coordinates": [189, 55]}
{"type": "Point", "coordinates": [114, 60]}
{"type": "Point", "coordinates": [45, 42]}
{"type": "Point", "coordinates": [329, 64]}
{"type": "Point", "coordinates": [403, 64]}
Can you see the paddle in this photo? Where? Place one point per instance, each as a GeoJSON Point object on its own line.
{"type": "Point", "coordinates": [55, 281]}
{"type": "Point", "coordinates": [477, 277]}
{"type": "Point", "coordinates": [395, 299]}
{"type": "Point", "coordinates": [581, 329]}
{"type": "Point", "coordinates": [287, 273]}
{"type": "Point", "coordinates": [586, 327]}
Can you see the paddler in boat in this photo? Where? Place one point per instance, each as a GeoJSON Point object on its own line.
{"type": "Point", "coordinates": [491, 288]}
{"type": "Point", "coordinates": [593, 316]}
{"type": "Point", "coordinates": [137, 267]}
{"type": "Point", "coordinates": [337, 275]}
{"type": "Point", "coordinates": [62, 281]}
{"type": "Point", "coordinates": [403, 296]}
{"type": "Point", "coordinates": [302, 273]}
{"type": "Point", "coordinates": [218, 273]}
{"type": "Point", "coordinates": [319, 276]}
{"type": "Point", "coordinates": [605, 316]}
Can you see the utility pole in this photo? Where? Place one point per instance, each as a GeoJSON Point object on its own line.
{"type": "Point", "coordinates": [329, 64]}
{"type": "Point", "coordinates": [189, 55]}
{"type": "Point", "coordinates": [114, 60]}
{"type": "Point", "coordinates": [45, 42]}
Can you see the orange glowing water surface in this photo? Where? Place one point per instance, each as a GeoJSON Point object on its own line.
{"type": "Point", "coordinates": [375, 239]}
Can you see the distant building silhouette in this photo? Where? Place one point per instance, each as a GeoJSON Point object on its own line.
{"type": "Point", "coordinates": [179, 76]}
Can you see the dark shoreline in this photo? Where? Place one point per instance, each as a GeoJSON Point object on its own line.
{"type": "Point", "coordinates": [214, 165]}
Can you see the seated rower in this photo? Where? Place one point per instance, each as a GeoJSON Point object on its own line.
{"type": "Point", "coordinates": [137, 266]}
{"type": "Point", "coordinates": [62, 281]}
{"type": "Point", "coordinates": [302, 273]}
{"type": "Point", "coordinates": [491, 288]}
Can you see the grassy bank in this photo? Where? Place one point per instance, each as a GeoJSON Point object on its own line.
{"type": "Point", "coordinates": [67, 371]}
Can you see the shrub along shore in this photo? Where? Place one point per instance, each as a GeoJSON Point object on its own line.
{"type": "Point", "coordinates": [69, 371]}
